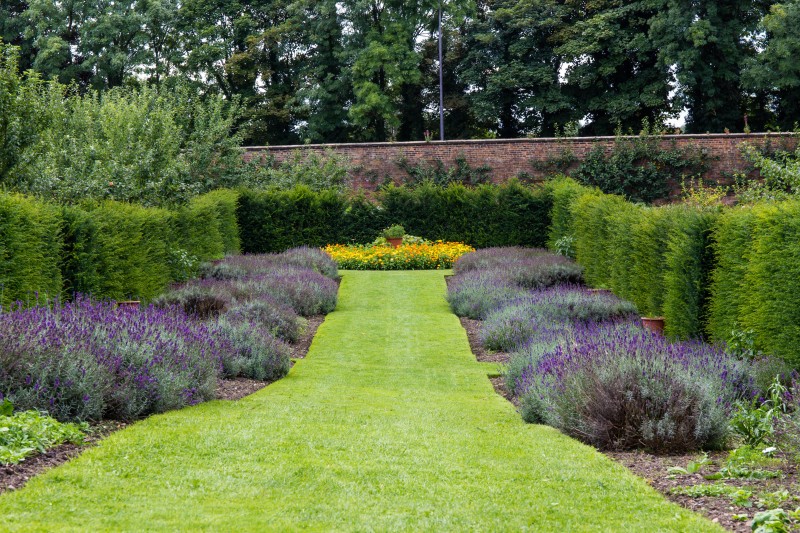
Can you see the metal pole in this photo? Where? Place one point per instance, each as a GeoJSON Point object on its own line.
{"type": "Point", "coordinates": [441, 84]}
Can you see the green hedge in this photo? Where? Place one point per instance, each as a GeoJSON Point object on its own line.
{"type": "Point", "coordinates": [107, 249]}
{"type": "Point", "coordinates": [30, 244]}
{"type": "Point", "coordinates": [488, 215]}
{"type": "Point", "coordinates": [757, 280]}
{"type": "Point", "coordinates": [657, 257]}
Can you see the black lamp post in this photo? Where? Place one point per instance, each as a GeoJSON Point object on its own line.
{"type": "Point", "coordinates": [441, 83]}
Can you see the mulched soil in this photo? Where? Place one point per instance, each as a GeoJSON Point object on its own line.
{"type": "Point", "coordinates": [654, 469]}
{"type": "Point", "coordinates": [13, 477]}
{"type": "Point", "coordinates": [300, 348]}
{"type": "Point", "coordinates": [483, 355]}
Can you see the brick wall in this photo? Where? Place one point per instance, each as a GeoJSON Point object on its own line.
{"type": "Point", "coordinates": [373, 162]}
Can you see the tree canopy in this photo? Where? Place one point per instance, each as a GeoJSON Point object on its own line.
{"type": "Point", "coordinates": [366, 70]}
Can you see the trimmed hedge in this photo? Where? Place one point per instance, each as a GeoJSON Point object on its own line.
{"type": "Point", "coordinates": [656, 257]}
{"type": "Point", "coordinates": [488, 215]}
{"type": "Point", "coordinates": [30, 244]}
{"type": "Point", "coordinates": [756, 283]}
{"type": "Point", "coordinates": [107, 249]}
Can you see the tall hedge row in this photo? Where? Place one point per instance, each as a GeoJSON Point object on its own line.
{"type": "Point", "coordinates": [757, 280]}
{"type": "Point", "coordinates": [657, 257]}
{"type": "Point", "coordinates": [488, 215]}
{"type": "Point", "coordinates": [708, 271]}
{"type": "Point", "coordinates": [107, 249]}
{"type": "Point", "coordinates": [30, 248]}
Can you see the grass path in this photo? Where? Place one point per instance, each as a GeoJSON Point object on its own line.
{"type": "Point", "coordinates": [389, 424]}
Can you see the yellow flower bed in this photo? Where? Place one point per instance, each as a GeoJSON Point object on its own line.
{"type": "Point", "coordinates": [430, 256]}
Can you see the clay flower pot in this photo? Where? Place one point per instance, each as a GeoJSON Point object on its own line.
{"type": "Point", "coordinates": [654, 324]}
{"type": "Point", "coordinates": [395, 241]}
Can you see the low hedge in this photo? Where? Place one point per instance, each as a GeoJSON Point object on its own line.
{"type": "Point", "coordinates": [107, 249]}
{"type": "Point", "coordinates": [483, 216]}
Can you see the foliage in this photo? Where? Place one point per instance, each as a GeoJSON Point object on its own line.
{"type": "Point", "coordinates": [640, 168]}
{"type": "Point", "coordinates": [135, 145]}
{"type": "Point", "coordinates": [618, 388]}
{"type": "Point", "coordinates": [30, 248]}
{"type": "Point", "coordinates": [87, 360]}
{"type": "Point", "coordinates": [753, 421]}
{"type": "Point", "coordinates": [436, 255]}
{"type": "Point", "coordinates": [25, 433]}
{"type": "Point", "coordinates": [318, 172]}
{"type": "Point", "coordinates": [255, 353]}
{"type": "Point", "coordinates": [436, 172]}
{"type": "Point", "coordinates": [394, 232]}
{"type": "Point", "coordinates": [488, 215]}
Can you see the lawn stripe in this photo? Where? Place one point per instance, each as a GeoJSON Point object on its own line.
{"type": "Point", "coordinates": [389, 424]}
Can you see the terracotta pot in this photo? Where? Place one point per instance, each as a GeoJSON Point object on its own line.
{"type": "Point", "coordinates": [395, 241]}
{"type": "Point", "coordinates": [654, 324]}
{"type": "Point", "coordinates": [128, 304]}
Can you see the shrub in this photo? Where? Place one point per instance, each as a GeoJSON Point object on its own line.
{"type": "Point", "coordinates": [269, 315]}
{"type": "Point", "coordinates": [118, 251]}
{"type": "Point", "coordinates": [203, 299]}
{"type": "Point", "coordinates": [312, 258]}
{"type": "Point", "coordinates": [616, 389]}
{"type": "Point", "coordinates": [309, 293]}
{"type": "Point", "coordinates": [495, 258]}
{"type": "Point", "coordinates": [87, 360]}
{"type": "Point", "coordinates": [254, 353]}
{"type": "Point", "coordinates": [475, 294]}
{"type": "Point", "coordinates": [30, 248]}
{"type": "Point", "coordinates": [517, 322]}
{"type": "Point", "coordinates": [563, 192]}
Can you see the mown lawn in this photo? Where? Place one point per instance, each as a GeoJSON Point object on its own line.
{"type": "Point", "coordinates": [388, 424]}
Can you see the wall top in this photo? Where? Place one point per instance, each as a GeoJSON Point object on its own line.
{"type": "Point", "coordinates": [526, 140]}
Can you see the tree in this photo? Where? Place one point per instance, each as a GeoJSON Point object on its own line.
{"type": "Point", "coordinates": [776, 70]}
{"type": "Point", "coordinates": [707, 44]}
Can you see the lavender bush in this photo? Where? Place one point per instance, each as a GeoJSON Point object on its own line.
{"type": "Point", "coordinates": [255, 353]}
{"type": "Point", "coordinates": [241, 266]}
{"type": "Point", "coordinates": [268, 314]}
{"type": "Point", "coordinates": [616, 387]}
{"type": "Point", "coordinates": [530, 268]}
{"type": "Point", "coordinates": [306, 291]}
{"type": "Point", "coordinates": [89, 360]}
{"type": "Point", "coordinates": [476, 293]}
{"type": "Point", "coordinates": [488, 258]}
{"type": "Point", "coordinates": [517, 321]}
{"type": "Point", "coordinates": [201, 299]}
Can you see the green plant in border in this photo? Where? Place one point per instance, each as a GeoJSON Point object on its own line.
{"type": "Point", "coordinates": [771, 521]}
{"type": "Point", "coordinates": [395, 231]}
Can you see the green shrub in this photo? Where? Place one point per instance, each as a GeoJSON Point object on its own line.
{"type": "Point", "coordinates": [731, 242]}
{"type": "Point", "coordinates": [207, 226]}
{"type": "Point", "coordinates": [30, 244]}
{"type": "Point", "coordinates": [688, 263]}
{"type": "Point", "coordinates": [591, 214]}
{"type": "Point", "coordinates": [772, 281]}
{"type": "Point", "coordinates": [563, 192]}
{"type": "Point", "coordinates": [116, 250]}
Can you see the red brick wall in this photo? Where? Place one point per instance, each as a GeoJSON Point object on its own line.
{"type": "Point", "coordinates": [372, 162]}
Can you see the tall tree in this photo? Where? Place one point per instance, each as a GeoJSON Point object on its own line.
{"type": "Point", "coordinates": [776, 69]}
{"type": "Point", "coordinates": [707, 43]}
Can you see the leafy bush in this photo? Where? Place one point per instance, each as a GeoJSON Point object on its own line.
{"type": "Point", "coordinates": [25, 433]}
{"type": "Point", "coordinates": [203, 299]}
{"type": "Point", "coordinates": [475, 294]}
{"type": "Point", "coordinates": [496, 258]}
{"type": "Point", "coordinates": [562, 192]}
{"type": "Point", "coordinates": [308, 292]}
{"type": "Point", "coordinates": [269, 315]}
{"type": "Point", "coordinates": [318, 172]}
{"type": "Point", "coordinates": [254, 353]}
{"type": "Point", "coordinates": [436, 172]}
{"type": "Point", "coordinates": [616, 388]}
